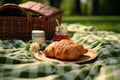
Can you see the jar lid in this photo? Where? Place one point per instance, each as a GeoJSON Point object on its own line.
{"type": "Point", "coordinates": [38, 33]}
{"type": "Point", "coordinates": [63, 29]}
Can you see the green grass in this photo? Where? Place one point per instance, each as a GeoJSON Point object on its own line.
{"type": "Point", "coordinates": [109, 23]}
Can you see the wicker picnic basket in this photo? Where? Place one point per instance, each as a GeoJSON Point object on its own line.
{"type": "Point", "coordinates": [18, 21]}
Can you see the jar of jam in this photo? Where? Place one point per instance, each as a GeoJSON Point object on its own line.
{"type": "Point", "coordinates": [61, 33]}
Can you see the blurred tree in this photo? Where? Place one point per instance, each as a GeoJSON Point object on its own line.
{"type": "Point", "coordinates": [89, 7]}
{"type": "Point", "coordinates": [11, 1]}
{"type": "Point", "coordinates": [77, 9]}
{"type": "Point", "coordinates": [83, 7]}
{"type": "Point", "coordinates": [55, 3]}
{"type": "Point", "coordinates": [67, 6]}
{"type": "Point", "coordinates": [95, 9]}
{"type": "Point", "coordinates": [114, 6]}
{"type": "Point", "coordinates": [109, 7]}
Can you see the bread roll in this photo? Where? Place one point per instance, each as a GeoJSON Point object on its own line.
{"type": "Point", "coordinates": [65, 49]}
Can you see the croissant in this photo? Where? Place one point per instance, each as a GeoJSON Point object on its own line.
{"type": "Point", "coordinates": [65, 49]}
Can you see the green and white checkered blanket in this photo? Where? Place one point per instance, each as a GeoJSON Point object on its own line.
{"type": "Point", "coordinates": [17, 63]}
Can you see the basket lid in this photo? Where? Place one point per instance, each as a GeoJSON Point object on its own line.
{"type": "Point", "coordinates": [40, 8]}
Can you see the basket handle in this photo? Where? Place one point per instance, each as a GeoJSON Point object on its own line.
{"type": "Point", "coordinates": [4, 11]}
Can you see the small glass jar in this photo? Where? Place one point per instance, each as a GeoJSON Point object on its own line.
{"type": "Point", "coordinates": [38, 36]}
{"type": "Point", "coordinates": [61, 33]}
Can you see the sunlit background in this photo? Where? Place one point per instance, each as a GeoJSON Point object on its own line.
{"type": "Point", "coordinates": [103, 14]}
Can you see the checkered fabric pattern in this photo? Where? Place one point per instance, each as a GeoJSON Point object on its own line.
{"type": "Point", "coordinates": [17, 63]}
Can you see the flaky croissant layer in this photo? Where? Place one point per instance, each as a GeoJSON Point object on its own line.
{"type": "Point", "coordinates": [65, 49]}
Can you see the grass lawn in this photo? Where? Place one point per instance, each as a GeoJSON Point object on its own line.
{"type": "Point", "coordinates": [109, 23]}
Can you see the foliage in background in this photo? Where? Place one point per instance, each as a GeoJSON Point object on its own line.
{"type": "Point", "coordinates": [79, 7]}
{"type": "Point", "coordinates": [67, 7]}
{"type": "Point", "coordinates": [109, 7]}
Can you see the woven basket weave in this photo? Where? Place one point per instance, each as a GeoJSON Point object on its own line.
{"type": "Point", "coordinates": [17, 23]}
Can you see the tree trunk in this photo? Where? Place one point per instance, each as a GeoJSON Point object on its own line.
{"type": "Point", "coordinates": [77, 8]}
{"type": "Point", "coordinates": [95, 7]}
{"type": "Point", "coordinates": [55, 3]}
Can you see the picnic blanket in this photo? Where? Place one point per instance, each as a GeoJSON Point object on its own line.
{"type": "Point", "coordinates": [18, 63]}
